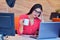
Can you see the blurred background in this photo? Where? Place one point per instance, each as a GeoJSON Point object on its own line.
{"type": "Point", "coordinates": [23, 6]}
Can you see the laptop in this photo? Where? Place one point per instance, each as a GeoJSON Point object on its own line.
{"type": "Point", "coordinates": [48, 30]}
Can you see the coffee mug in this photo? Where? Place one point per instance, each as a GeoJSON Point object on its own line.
{"type": "Point", "coordinates": [26, 22]}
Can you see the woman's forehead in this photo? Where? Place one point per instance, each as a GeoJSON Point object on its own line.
{"type": "Point", "coordinates": [38, 9]}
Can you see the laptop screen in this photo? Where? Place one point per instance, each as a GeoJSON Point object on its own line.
{"type": "Point", "coordinates": [49, 30]}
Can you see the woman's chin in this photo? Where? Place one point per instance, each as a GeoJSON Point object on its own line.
{"type": "Point", "coordinates": [35, 17]}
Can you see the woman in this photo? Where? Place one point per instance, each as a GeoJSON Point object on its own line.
{"type": "Point", "coordinates": [34, 21]}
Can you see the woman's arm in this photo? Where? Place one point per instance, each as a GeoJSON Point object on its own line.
{"type": "Point", "coordinates": [21, 24]}
{"type": "Point", "coordinates": [20, 28]}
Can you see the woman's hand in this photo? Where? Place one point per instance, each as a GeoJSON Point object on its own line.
{"type": "Point", "coordinates": [39, 18]}
{"type": "Point", "coordinates": [21, 26]}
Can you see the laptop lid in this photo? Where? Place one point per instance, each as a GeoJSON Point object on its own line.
{"type": "Point", "coordinates": [48, 30]}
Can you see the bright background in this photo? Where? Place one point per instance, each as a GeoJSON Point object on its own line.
{"type": "Point", "coordinates": [23, 6]}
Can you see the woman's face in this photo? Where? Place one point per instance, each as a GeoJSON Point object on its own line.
{"type": "Point", "coordinates": [36, 12]}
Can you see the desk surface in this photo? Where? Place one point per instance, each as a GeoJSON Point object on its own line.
{"type": "Point", "coordinates": [26, 37]}
{"type": "Point", "coordinates": [21, 37]}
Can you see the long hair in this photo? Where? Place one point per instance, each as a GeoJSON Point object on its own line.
{"type": "Point", "coordinates": [35, 7]}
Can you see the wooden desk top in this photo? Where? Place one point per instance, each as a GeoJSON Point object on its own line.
{"type": "Point", "coordinates": [20, 37]}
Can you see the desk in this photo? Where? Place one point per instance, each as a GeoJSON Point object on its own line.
{"type": "Point", "coordinates": [21, 37]}
{"type": "Point", "coordinates": [26, 37]}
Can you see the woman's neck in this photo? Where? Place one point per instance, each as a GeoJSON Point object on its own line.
{"type": "Point", "coordinates": [31, 17]}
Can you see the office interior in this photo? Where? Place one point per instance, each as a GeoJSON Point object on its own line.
{"type": "Point", "coordinates": [51, 12]}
